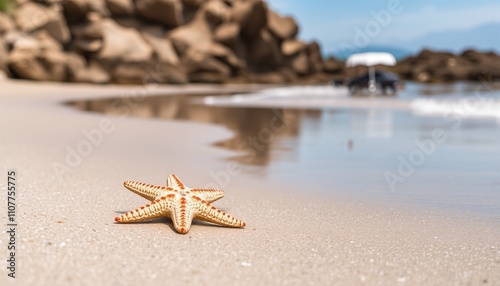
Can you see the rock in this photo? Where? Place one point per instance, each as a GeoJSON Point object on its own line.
{"type": "Point", "coordinates": [332, 66]}
{"type": "Point", "coordinates": [54, 63]}
{"type": "Point", "coordinates": [46, 42]}
{"type": "Point", "coordinates": [31, 16]}
{"type": "Point", "coordinates": [225, 55]}
{"type": "Point", "coordinates": [75, 10]}
{"type": "Point", "coordinates": [120, 7]}
{"type": "Point", "coordinates": [5, 23]}
{"type": "Point", "coordinates": [21, 41]}
{"type": "Point", "coordinates": [216, 12]}
{"type": "Point", "coordinates": [168, 12]}
{"type": "Point", "coordinates": [123, 44]}
{"type": "Point", "coordinates": [251, 15]}
{"type": "Point", "coordinates": [46, 65]}
{"type": "Point", "coordinates": [292, 47]}
{"type": "Point", "coordinates": [94, 73]}
{"type": "Point", "coordinates": [283, 28]}
{"type": "Point", "coordinates": [301, 64]}
{"type": "Point", "coordinates": [99, 7]}
{"type": "Point", "coordinates": [196, 61]}
{"type": "Point", "coordinates": [129, 74]}
{"type": "Point", "coordinates": [196, 34]}
{"type": "Point", "coordinates": [24, 64]}
{"type": "Point", "coordinates": [37, 58]}
{"type": "Point", "coordinates": [429, 66]}
{"type": "Point", "coordinates": [165, 73]}
{"type": "Point", "coordinates": [87, 30]}
{"type": "Point", "coordinates": [315, 57]}
{"type": "Point", "coordinates": [192, 3]}
{"type": "Point", "coordinates": [163, 47]}
{"type": "Point", "coordinates": [265, 53]}
{"type": "Point", "coordinates": [145, 74]}
{"type": "Point", "coordinates": [88, 37]}
{"type": "Point", "coordinates": [87, 46]}
{"type": "Point", "coordinates": [227, 34]}
{"type": "Point", "coordinates": [58, 29]}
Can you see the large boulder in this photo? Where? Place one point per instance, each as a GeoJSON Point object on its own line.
{"type": "Point", "coordinates": [197, 34]}
{"type": "Point", "coordinates": [196, 61]}
{"type": "Point", "coordinates": [163, 47]}
{"type": "Point", "coordinates": [24, 64]}
{"type": "Point", "coordinates": [333, 66]}
{"type": "Point", "coordinates": [265, 53]}
{"type": "Point", "coordinates": [227, 34]}
{"type": "Point", "coordinates": [87, 35]}
{"type": "Point", "coordinates": [37, 58]}
{"type": "Point", "coordinates": [5, 23]}
{"type": "Point", "coordinates": [75, 10]}
{"type": "Point", "coordinates": [251, 15]}
{"type": "Point", "coordinates": [168, 12]}
{"type": "Point", "coordinates": [301, 64]}
{"type": "Point", "coordinates": [79, 71]}
{"type": "Point", "coordinates": [123, 44]}
{"type": "Point", "coordinates": [292, 47]}
{"type": "Point", "coordinates": [216, 12]}
{"type": "Point", "coordinates": [31, 16]}
{"type": "Point", "coordinates": [120, 7]}
{"type": "Point", "coordinates": [283, 28]}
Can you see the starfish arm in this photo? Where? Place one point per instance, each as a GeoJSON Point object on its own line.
{"type": "Point", "coordinates": [174, 182]}
{"type": "Point", "coordinates": [205, 211]}
{"type": "Point", "coordinates": [146, 191]}
{"type": "Point", "coordinates": [182, 215]}
{"type": "Point", "coordinates": [156, 208]}
{"type": "Point", "coordinates": [209, 195]}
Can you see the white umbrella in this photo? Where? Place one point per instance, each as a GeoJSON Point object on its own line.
{"type": "Point", "coordinates": [370, 60]}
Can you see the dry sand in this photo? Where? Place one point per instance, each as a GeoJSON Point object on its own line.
{"type": "Point", "coordinates": [67, 234]}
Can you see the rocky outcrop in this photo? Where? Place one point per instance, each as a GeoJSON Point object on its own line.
{"type": "Point", "coordinates": [161, 41]}
{"type": "Point", "coordinates": [168, 12]}
{"type": "Point", "coordinates": [431, 66]}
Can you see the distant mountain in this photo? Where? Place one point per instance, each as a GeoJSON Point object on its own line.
{"type": "Point", "coordinates": [398, 53]}
{"type": "Point", "coordinates": [484, 38]}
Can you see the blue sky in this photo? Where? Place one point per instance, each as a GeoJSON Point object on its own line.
{"type": "Point", "coordinates": [332, 22]}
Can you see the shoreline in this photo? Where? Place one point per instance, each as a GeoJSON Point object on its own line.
{"type": "Point", "coordinates": [68, 233]}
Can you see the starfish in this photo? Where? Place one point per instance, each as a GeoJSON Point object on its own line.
{"type": "Point", "coordinates": [178, 202]}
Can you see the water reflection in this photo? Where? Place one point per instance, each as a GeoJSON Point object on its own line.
{"type": "Point", "coordinates": [374, 123]}
{"type": "Point", "coordinates": [255, 129]}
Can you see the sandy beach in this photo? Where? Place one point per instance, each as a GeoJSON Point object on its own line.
{"type": "Point", "coordinates": [67, 235]}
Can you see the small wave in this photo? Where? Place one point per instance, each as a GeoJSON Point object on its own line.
{"type": "Point", "coordinates": [295, 92]}
{"type": "Point", "coordinates": [470, 107]}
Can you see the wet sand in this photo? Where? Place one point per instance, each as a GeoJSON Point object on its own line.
{"type": "Point", "coordinates": [67, 234]}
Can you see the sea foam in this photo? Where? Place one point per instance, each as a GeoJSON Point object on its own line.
{"type": "Point", "coordinates": [468, 107]}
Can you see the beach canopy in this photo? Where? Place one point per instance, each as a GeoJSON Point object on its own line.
{"type": "Point", "coordinates": [371, 59]}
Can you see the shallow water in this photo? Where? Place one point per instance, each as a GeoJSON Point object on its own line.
{"type": "Point", "coordinates": [428, 155]}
